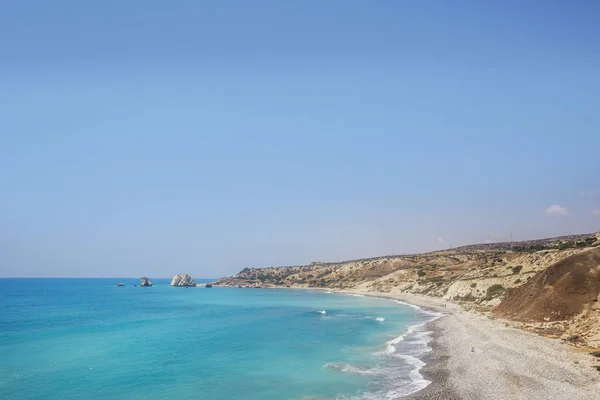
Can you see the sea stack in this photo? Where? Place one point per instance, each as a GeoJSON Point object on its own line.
{"type": "Point", "coordinates": [183, 280]}
{"type": "Point", "coordinates": [145, 281]}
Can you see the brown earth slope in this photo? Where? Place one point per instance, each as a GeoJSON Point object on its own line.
{"type": "Point", "coordinates": [562, 291]}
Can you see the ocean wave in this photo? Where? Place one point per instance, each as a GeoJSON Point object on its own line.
{"type": "Point", "coordinates": [401, 373]}
{"type": "Point", "coordinates": [421, 339]}
{"type": "Point", "coordinates": [394, 381]}
{"type": "Point", "coordinates": [421, 310]}
{"type": "Point", "coordinates": [408, 304]}
{"type": "Point", "coordinates": [417, 380]}
{"type": "Point", "coordinates": [356, 369]}
{"type": "Point", "coordinates": [323, 312]}
{"type": "Point", "coordinates": [389, 345]}
{"type": "Point", "coordinates": [357, 295]}
{"type": "Point", "coordinates": [379, 319]}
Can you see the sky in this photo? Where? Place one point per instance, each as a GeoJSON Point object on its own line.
{"type": "Point", "coordinates": [156, 137]}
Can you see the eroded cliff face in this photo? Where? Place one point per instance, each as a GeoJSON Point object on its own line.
{"type": "Point", "coordinates": [183, 280]}
{"type": "Point", "coordinates": [479, 277]}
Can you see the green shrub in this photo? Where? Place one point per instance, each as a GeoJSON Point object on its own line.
{"type": "Point", "coordinates": [421, 273]}
{"type": "Point", "coordinates": [468, 297]}
{"type": "Point", "coordinates": [566, 245]}
{"type": "Point", "coordinates": [517, 269]}
{"type": "Point", "coordinates": [494, 289]}
{"type": "Point", "coordinates": [474, 284]}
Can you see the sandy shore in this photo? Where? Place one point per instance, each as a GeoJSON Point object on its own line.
{"type": "Point", "coordinates": [507, 363]}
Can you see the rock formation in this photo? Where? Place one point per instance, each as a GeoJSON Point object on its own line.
{"type": "Point", "coordinates": [145, 281]}
{"type": "Point", "coordinates": [183, 280]}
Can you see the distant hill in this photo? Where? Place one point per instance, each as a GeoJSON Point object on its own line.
{"type": "Point", "coordinates": [533, 244]}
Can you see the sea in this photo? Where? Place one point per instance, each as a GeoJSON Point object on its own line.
{"type": "Point", "coordinates": [90, 339]}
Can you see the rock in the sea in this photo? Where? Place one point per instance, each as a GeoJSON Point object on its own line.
{"type": "Point", "coordinates": [183, 280]}
{"type": "Point", "coordinates": [145, 281]}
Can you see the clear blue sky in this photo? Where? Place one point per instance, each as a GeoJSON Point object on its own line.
{"type": "Point", "coordinates": [158, 137]}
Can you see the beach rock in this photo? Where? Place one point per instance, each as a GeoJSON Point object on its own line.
{"type": "Point", "coordinates": [183, 280]}
{"type": "Point", "coordinates": [145, 281]}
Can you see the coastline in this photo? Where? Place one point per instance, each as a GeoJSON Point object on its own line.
{"type": "Point", "coordinates": [476, 357]}
{"type": "Point", "coordinates": [436, 370]}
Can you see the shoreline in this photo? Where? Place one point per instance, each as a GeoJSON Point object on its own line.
{"type": "Point", "coordinates": [506, 363]}
{"type": "Point", "coordinates": [436, 369]}
{"type": "Point", "coordinates": [476, 357]}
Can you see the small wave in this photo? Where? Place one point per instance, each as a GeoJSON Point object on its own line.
{"type": "Point", "coordinates": [418, 382]}
{"type": "Point", "coordinates": [414, 361]}
{"type": "Point", "coordinates": [356, 369]}
{"type": "Point", "coordinates": [414, 386]}
{"type": "Point", "coordinates": [389, 345]}
{"type": "Point", "coordinates": [323, 312]}
{"type": "Point", "coordinates": [357, 295]}
{"type": "Point", "coordinates": [408, 304]}
{"type": "Point", "coordinates": [421, 310]}
{"type": "Point", "coordinates": [329, 292]}
{"type": "Point", "coordinates": [399, 374]}
{"type": "Point", "coordinates": [380, 319]}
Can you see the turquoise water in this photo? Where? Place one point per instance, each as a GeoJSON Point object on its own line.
{"type": "Point", "coordinates": [89, 339]}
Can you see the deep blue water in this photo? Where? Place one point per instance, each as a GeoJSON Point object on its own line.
{"type": "Point", "coordinates": [89, 339]}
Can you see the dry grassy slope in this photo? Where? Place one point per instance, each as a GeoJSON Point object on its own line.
{"type": "Point", "coordinates": [559, 292]}
{"type": "Point", "coordinates": [480, 278]}
{"type": "Point", "coordinates": [568, 290]}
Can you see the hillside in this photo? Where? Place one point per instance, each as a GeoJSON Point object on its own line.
{"type": "Point", "coordinates": [565, 291]}
{"type": "Point", "coordinates": [528, 282]}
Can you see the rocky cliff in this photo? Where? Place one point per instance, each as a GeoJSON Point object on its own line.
{"type": "Point", "coordinates": [183, 280]}
{"type": "Point", "coordinates": [144, 281]}
{"type": "Point", "coordinates": [480, 277]}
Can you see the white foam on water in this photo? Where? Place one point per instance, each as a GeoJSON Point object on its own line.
{"type": "Point", "coordinates": [323, 312]}
{"type": "Point", "coordinates": [397, 383]}
{"type": "Point", "coordinates": [389, 345]}
{"type": "Point", "coordinates": [356, 369]}
{"type": "Point", "coordinates": [400, 375]}
{"type": "Point", "coordinates": [407, 304]}
{"type": "Point", "coordinates": [379, 319]}
{"type": "Point", "coordinates": [414, 361]}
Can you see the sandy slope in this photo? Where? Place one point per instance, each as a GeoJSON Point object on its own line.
{"type": "Point", "coordinates": [507, 363]}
